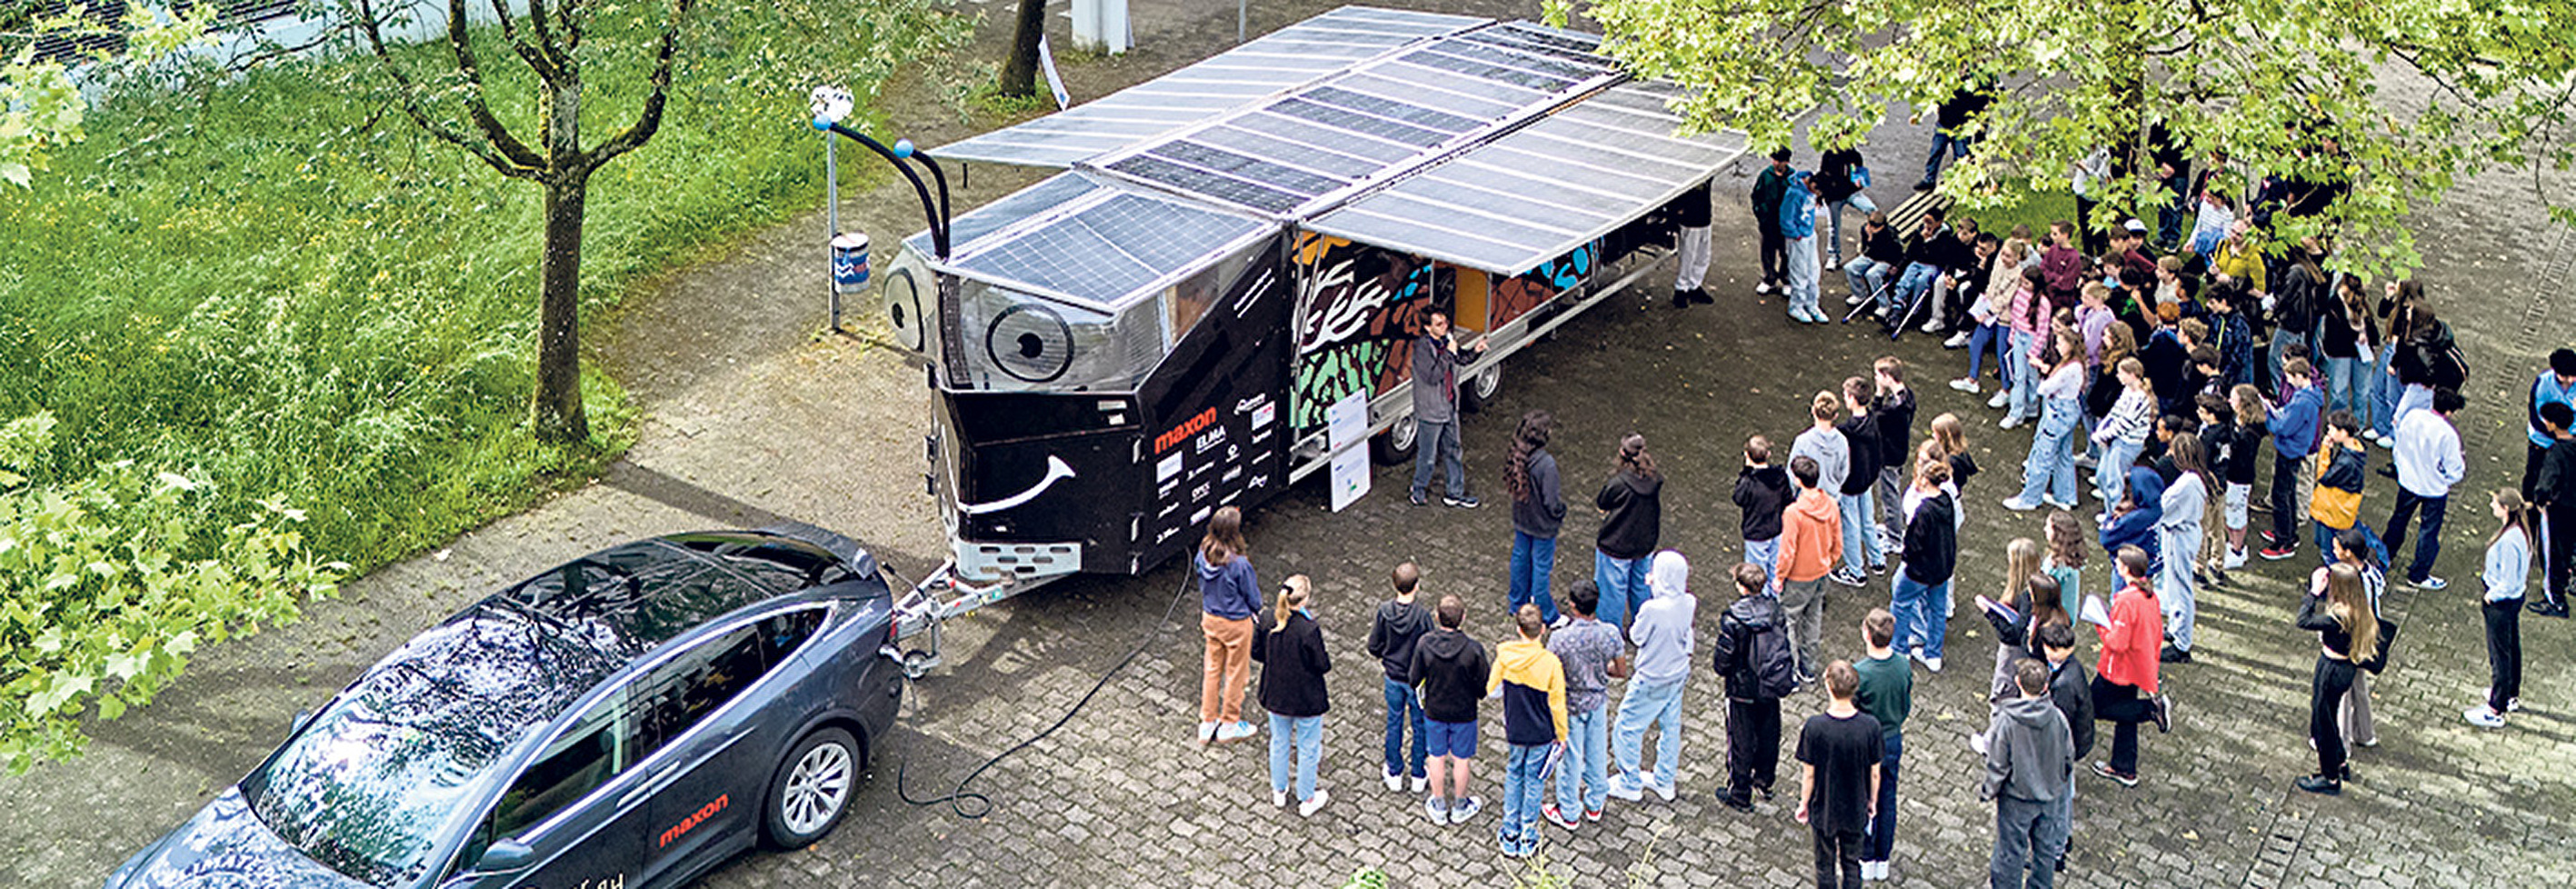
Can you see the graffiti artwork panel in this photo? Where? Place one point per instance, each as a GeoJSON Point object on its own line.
{"type": "Point", "coordinates": [1357, 309]}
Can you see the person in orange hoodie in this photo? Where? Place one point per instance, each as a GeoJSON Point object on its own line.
{"type": "Point", "coordinates": [1811, 544]}
{"type": "Point", "coordinates": [2124, 681]}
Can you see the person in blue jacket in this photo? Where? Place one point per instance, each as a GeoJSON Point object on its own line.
{"type": "Point", "coordinates": [2134, 523]}
{"type": "Point", "coordinates": [1798, 228]}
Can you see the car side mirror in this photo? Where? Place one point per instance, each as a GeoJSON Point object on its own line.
{"type": "Point", "coordinates": [505, 856]}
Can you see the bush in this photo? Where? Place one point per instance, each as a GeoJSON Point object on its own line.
{"type": "Point", "coordinates": [113, 579]}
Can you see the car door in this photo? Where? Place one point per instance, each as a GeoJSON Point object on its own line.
{"type": "Point", "coordinates": [705, 783]}
{"type": "Point", "coordinates": [567, 817]}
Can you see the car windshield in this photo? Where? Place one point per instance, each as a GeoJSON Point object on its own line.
{"type": "Point", "coordinates": [369, 784]}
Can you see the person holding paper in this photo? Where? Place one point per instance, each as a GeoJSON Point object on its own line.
{"type": "Point", "coordinates": [2124, 681]}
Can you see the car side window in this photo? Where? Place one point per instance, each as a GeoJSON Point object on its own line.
{"type": "Point", "coordinates": [781, 635]}
{"type": "Point", "coordinates": [598, 747]}
{"type": "Point", "coordinates": [676, 696]}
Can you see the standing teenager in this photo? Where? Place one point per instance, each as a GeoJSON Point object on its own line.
{"type": "Point", "coordinates": [2178, 536]}
{"type": "Point", "coordinates": [1839, 752]}
{"type": "Point", "coordinates": [1229, 597]}
{"type": "Point", "coordinates": [2553, 501]}
{"type": "Point", "coordinates": [1755, 682]}
{"type": "Point", "coordinates": [1665, 638]}
{"type": "Point", "coordinates": [1892, 406]}
{"type": "Point", "coordinates": [2124, 680]}
{"type": "Point", "coordinates": [1811, 541]}
{"type": "Point", "coordinates": [2507, 571]}
{"type": "Point", "coordinates": [1398, 627]}
{"type": "Point", "coordinates": [1930, 556]}
{"type": "Point", "coordinates": [1886, 693]}
{"type": "Point", "coordinates": [2346, 633]}
{"type": "Point", "coordinates": [2428, 464]}
{"type": "Point", "coordinates": [2123, 431]}
{"type": "Point", "coordinates": [1593, 654]}
{"type": "Point", "coordinates": [1290, 647]}
{"type": "Point", "coordinates": [2030, 770]}
{"type": "Point", "coordinates": [2048, 473]}
{"type": "Point", "coordinates": [1449, 673]}
{"type": "Point", "coordinates": [1761, 494]}
{"type": "Point", "coordinates": [1531, 683]}
{"type": "Point", "coordinates": [1538, 513]}
{"type": "Point", "coordinates": [1860, 534]}
{"type": "Point", "coordinates": [1632, 520]}
{"type": "Point", "coordinates": [1769, 191]}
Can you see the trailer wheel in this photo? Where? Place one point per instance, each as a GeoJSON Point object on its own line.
{"type": "Point", "coordinates": [1394, 447]}
{"type": "Point", "coordinates": [1481, 387]}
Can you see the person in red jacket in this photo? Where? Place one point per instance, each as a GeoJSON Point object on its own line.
{"type": "Point", "coordinates": [2124, 681]}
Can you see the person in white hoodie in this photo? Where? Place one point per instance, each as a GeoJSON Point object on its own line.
{"type": "Point", "coordinates": [2179, 533]}
{"type": "Point", "coordinates": [1661, 630]}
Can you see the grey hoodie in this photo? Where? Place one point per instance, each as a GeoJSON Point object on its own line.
{"type": "Point", "coordinates": [2030, 755]}
{"type": "Point", "coordinates": [1662, 626]}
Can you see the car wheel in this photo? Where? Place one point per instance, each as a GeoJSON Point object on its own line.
{"type": "Point", "coordinates": [1479, 388]}
{"type": "Point", "coordinates": [812, 789]}
{"type": "Point", "coordinates": [1394, 447]}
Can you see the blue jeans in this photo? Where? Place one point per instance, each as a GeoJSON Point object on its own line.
{"type": "Point", "coordinates": [2173, 586]}
{"type": "Point", "coordinates": [2383, 396]}
{"type": "Point", "coordinates": [1858, 201]}
{"type": "Point", "coordinates": [2111, 475]}
{"type": "Point", "coordinates": [2428, 543]}
{"type": "Point", "coordinates": [1911, 286]}
{"type": "Point", "coordinates": [1524, 787]}
{"type": "Point", "coordinates": [2049, 471]}
{"type": "Point", "coordinates": [1882, 825]}
{"type": "Point", "coordinates": [1533, 564]}
{"type": "Point", "coordinates": [1306, 734]}
{"type": "Point", "coordinates": [2025, 382]}
{"type": "Point", "coordinates": [1994, 337]}
{"type": "Point", "coordinates": [1866, 276]}
{"type": "Point", "coordinates": [1403, 708]}
{"type": "Point", "coordinates": [1437, 442]}
{"type": "Point", "coordinates": [1649, 703]}
{"type": "Point", "coordinates": [1860, 540]}
{"type": "Point", "coordinates": [1915, 625]}
{"type": "Point", "coordinates": [1943, 143]}
{"type": "Point", "coordinates": [1766, 553]}
{"type": "Point", "coordinates": [1623, 587]}
{"type": "Point", "coordinates": [1583, 778]}
{"type": "Point", "coordinates": [2343, 379]}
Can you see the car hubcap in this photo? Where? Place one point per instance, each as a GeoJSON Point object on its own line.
{"type": "Point", "coordinates": [1401, 435]}
{"type": "Point", "coordinates": [816, 789]}
{"type": "Point", "coordinates": [1486, 382]}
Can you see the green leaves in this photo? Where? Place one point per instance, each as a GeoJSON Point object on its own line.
{"type": "Point", "coordinates": [112, 579]}
{"type": "Point", "coordinates": [2283, 87]}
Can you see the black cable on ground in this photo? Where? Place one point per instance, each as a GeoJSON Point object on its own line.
{"type": "Point", "coordinates": [971, 805]}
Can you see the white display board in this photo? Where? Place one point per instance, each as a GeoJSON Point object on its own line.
{"type": "Point", "coordinates": [1346, 422]}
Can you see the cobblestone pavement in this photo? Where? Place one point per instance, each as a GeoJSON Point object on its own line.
{"type": "Point", "coordinates": [1121, 796]}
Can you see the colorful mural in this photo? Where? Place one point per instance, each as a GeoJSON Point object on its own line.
{"type": "Point", "coordinates": [1356, 307]}
{"type": "Point", "coordinates": [1525, 291]}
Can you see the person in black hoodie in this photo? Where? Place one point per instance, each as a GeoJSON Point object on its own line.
{"type": "Point", "coordinates": [1840, 176]}
{"type": "Point", "coordinates": [1400, 623]}
{"type": "Point", "coordinates": [1893, 408]}
{"type": "Point", "coordinates": [1769, 189]}
{"type": "Point", "coordinates": [1752, 712]}
{"type": "Point", "coordinates": [1449, 672]}
{"type": "Point", "coordinates": [1632, 519]}
{"type": "Point", "coordinates": [1882, 256]}
{"type": "Point", "coordinates": [2553, 497]}
{"type": "Point", "coordinates": [1538, 513]}
{"type": "Point", "coordinates": [1290, 647]}
{"type": "Point", "coordinates": [2072, 691]}
{"type": "Point", "coordinates": [1931, 555]}
{"type": "Point", "coordinates": [1762, 493]}
{"type": "Point", "coordinates": [1861, 546]}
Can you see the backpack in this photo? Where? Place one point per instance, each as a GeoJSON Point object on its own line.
{"type": "Point", "coordinates": [2450, 365]}
{"type": "Point", "coordinates": [1775, 664]}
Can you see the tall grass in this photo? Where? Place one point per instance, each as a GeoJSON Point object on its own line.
{"type": "Point", "coordinates": [277, 281]}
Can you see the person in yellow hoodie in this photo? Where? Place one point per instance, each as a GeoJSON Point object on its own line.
{"type": "Point", "coordinates": [2341, 466]}
{"type": "Point", "coordinates": [1531, 682]}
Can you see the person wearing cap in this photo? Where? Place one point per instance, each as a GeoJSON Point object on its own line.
{"type": "Point", "coordinates": [2556, 385]}
{"type": "Point", "coordinates": [1769, 191]}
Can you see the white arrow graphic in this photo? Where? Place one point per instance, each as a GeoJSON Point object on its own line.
{"type": "Point", "coordinates": [1056, 469]}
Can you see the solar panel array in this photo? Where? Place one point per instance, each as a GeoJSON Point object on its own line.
{"type": "Point", "coordinates": [1114, 247]}
{"type": "Point", "coordinates": [1380, 118]}
{"type": "Point", "coordinates": [1314, 48]}
{"type": "Point", "coordinates": [1543, 190]}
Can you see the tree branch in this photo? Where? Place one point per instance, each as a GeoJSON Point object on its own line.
{"type": "Point", "coordinates": [650, 121]}
{"type": "Point", "coordinates": [476, 108]}
{"type": "Point", "coordinates": [536, 58]}
{"type": "Point", "coordinates": [408, 96]}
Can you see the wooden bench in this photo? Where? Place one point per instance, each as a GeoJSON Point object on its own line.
{"type": "Point", "coordinates": [1907, 218]}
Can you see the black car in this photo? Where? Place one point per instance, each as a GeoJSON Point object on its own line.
{"type": "Point", "coordinates": [625, 720]}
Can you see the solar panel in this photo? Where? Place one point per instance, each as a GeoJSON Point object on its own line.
{"type": "Point", "coordinates": [1359, 123]}
{"type": "Point", "coordinates": [1307, 133]}
{"type": "Point", "coordinates": [1164, 236]}
{"type": "Point", "coordinates": [1442, 121]}
{"type": "Point", "coordinates": [1281, 177]}
{"type": "Point", "coordinates": [1531, 79]}
{"type": "Point", "coordinates": [1330, 163]}
{"type": "Point", "coordinates": [1484, 49]}
{"type": "Point", "coordinates": [1224, 188]}
{"type": "Point", "coordinates": [1054, 192]}
{"type": "Point", "coordinates": [1070, 259]}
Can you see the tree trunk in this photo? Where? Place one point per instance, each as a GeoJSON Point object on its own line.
{"type": "Point", "coordinates": [1020, 74]}
{"type": "Point", "coordinates": [557, 410]}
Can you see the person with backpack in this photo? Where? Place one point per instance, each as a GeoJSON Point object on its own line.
{"type": "Point", "coordinates": [1930, 555]}
{"type": "Point", "coordinates": [1664, 638]}
{"type": "Point", "coordinates": [1754, 656]}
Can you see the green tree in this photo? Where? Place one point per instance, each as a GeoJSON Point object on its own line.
{"type": "Point", "coordinates": [113, 579]}
{"type": "Point", "coordinates": [40, 107]}
{"type": "Point", "coordinates": [2319, 91]}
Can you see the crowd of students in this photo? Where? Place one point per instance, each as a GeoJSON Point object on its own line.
{"type": "Point", "coordinates": [2165, 375]}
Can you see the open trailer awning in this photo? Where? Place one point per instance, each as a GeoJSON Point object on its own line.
{"type": "Point", "coordinates": [1315, 48]}
{"type": "Point", "coordinates": [1538, 193]}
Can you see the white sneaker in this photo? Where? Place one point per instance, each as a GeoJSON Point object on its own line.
{"type": "Point", "coordinates": [1465, 809]}
{"type": "Point", "coordinates": [1855, 299]}
{"type": "Point", "coordinates": [2009, 422]}
{"type": "Point", "coordinates": [1958, 340]}
{"type": "Point", "coordinates": [1417, 783]}
{"type": "Point", "coordinates": [1763, 288]}
{"type": "Point", "coordinates": [1561, 621]}
{"type": "Point", "coordinates": [2482, 717]}
{"type": "Point", "coordinates": [2054, 503]}
{"type": "Point", "coordinates": [1964, 384]}
{"type": "Point", "coordinates": [1873, 870]}
{"type": "Point", "coordinates": [1932, 326]}
{"type": "Point", "coordinates": [2016, 504]}
{"type": "Point", "coordinates": [1207, 732]}
{"type": "Point", "coordinates": [1236, 732]}
{"type": "Point", "coordinates": [1436, 808]}
{"type": "Point", "coordinates": [2002, 396]}
{"type": "Point", "coordinates": [1932, 663]}
{"type": "Point", "coordinates": [1626, 787]}
{"type": "Point", "coordinates": [1977, 742]}
{"type": "Point", "coordinates": [1314, 803]}
{"type": "Point", "coordinates": [2235, 559]}
{"type": "Point", "coordinates": [1279, 798]}
{"type": "Point", "coordinates": [1395, 781]}
{"type": "Point", "coordinates": [1665, 789]}
{"type": "Point", "coordinates": [2387, 442]}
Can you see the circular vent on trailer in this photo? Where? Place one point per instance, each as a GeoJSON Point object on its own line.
{"type": "Point", "coordinates": [907, 310]}
{"type": "Point", "coordinates": [1031, 343]}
